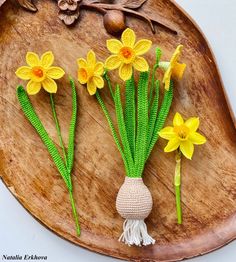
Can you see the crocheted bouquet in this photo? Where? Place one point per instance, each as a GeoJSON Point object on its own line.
{"type": "Point", "coordinates": [139, 119]}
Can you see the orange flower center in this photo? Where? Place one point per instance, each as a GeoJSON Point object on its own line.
{"type": "Point", "coordinates": [84, 73]}
{"type": "Point", "coordinates": [38, 72]}
{"type": "Point", "coordinates": [182, 132]}
{"type": "Point", "coordinates": [127, 53]}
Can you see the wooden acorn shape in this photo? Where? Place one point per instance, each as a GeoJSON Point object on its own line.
{"type": "Point", "coordinates": [114, 21]}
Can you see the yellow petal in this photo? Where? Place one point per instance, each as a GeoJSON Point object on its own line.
{"type": "Point", "coordinates": [179, 48]}
{"type": "Point", "coordinates": [82, 62]}
{"type": "Point", "coordinates": [99, 68]}
{"type": "Point", "coordinates": [176, 54]}
{"type": "Point", "coordinates": [167, 133]}
{"type": "Point", "coordinates": [192, 123]}
{"type": "Point", "coordinates": [125, 71]}
{"type": "Point", "coordinates": [114, 46]}
{"type": "Point", "coordinates": [112, 62]}
{"type": "Point", "coordinates": [128, 37]}
{"type": "Point", "coordinates": [47, 59]}
{"type": "Point", "coordinates": [82, 75]}
{"type": "Point", "coordinates": [187, 148]}
{"type": "Point", "coordinates": [167, 77]}
{"type": "Point", "coordinates": [174, 59]}
{"type": "Point", "coordinates": [49, 85]}
{"type": "Point", "coordinates": [172, 145]}
{"type": "Point", "coordinates": [167, 84]}
{"type": "Point", "coordinates": [24, 72]}
{"type": "Point", "coordinates": [178, 120]}
{"type": "Point", "coordinates": [32, 59]}
{"type": "Point", "coordinates": [91, 58]}
{"type": "Point", "coordinates": [55, 72]}
{"type": "Point", "coordinates": [142, 46]}
{"type": "Point", "coordinates": [178, 70]}
{"type": "Point", "coordinates": [140, 64]}
{"type": "Point", "coordinates": [99, 82]}
{"type": "Point", "coordinates": [197, 138]}
{"type": "Point", "coordinates": [33, 87]}
{"type": "Point", "coordinates": [91, 86]}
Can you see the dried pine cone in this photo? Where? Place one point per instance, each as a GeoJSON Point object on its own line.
{"type": "Point", "coordinates": [69, 10]}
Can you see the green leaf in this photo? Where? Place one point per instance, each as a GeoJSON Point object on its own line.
{"type": "Point", "coordinates": [130, 113]}
{"type": "Point", "coordinates": [113, 131]}
{"type": "Point", "coordinates": [158, 57]}
{"type": "Point", "coordinates": [122, 130]}
{"type": "Point", "coordinates": [161, 118]}
{"type": "Point", "coordinates": [153, 113]}
{"type": "Point", "coordinates": [71, 143]}
{"type": "Point", "coordinates": [142, 128]}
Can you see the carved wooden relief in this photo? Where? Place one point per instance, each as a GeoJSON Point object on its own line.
{"type": "Point", "coordinates": [114, 12]}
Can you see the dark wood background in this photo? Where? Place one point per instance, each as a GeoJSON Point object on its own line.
{"type": "Point", "coordinates": [209, 180]}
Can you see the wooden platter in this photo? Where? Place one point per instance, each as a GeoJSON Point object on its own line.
{"type": "Point", "coordinates": [209, 180]}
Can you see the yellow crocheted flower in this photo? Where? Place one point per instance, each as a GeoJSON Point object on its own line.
{"type": "Point", "coordinates": [90, 72]}
{"type": "Point", "coordinates": [40, 72]}
{"type": "Point", "coordinates": [173, 68]}
{"type": "Point", "coordinates": [182, 135]}
{"type": "Point", "coordinates": [126, 54]}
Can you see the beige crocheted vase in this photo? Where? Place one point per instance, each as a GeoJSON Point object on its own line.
{"type": "Point", "coordinates": [134, 203]}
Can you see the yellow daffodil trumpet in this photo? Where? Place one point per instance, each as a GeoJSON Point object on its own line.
{"type": "Point", "coordinates": [173, 68]}
{"type": "Point", "coordinates": [41, 73]}
{"type": "Point", "coordinates": [182, 137]}
{"type": "Point", "coordinates": [139, 119]}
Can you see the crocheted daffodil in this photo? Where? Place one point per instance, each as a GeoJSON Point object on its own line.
{"type": "Point", "coordinates": [182, 135]}
{"type": "Point", "coordinates": [173, 68]}
{"type": "Point", "coordinates": [90, 72]}
{"type": "Point", "coordinates": [126, 54]}
{"type": "Point", "coordinates": [40, 72]}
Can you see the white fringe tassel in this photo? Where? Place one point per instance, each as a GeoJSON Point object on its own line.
{"type": "Point", "coordinates": [135, 233]}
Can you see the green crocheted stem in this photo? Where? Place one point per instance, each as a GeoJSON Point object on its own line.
{"type": "Point", "coordinates": [37, 124]}
{"type": "Point", "coordinates": [58, 127]}
{"type": "Point", "coordinates": [106, 76]}
{"type": "Point", "coordinates": [122, 131]}
{"type": "Point", "coordinates": [178, 204]}
{"type": "Point", "coordinates": [153, 113]}
{"type": "Point", "coordinates": [142, 124]}
{"type": "Point", "coordinates": [75, 214]}
{"type": "Point", "coordinates": [130, 113]}
{"type": "Point", "coordinates": [158, 57]}
{"type": "Point", "coordinates": [107, 115]}
{"type": "Point", "coordinates": [71, 143]}
{"type": "Point", "coordinates": [161, 117]}
{"type": "Point", "coordinates": [177, 184]}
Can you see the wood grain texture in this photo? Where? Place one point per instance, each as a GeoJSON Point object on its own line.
{"type": "Point", "coordinates": [209, 180]}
